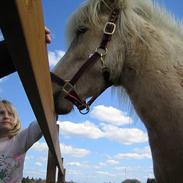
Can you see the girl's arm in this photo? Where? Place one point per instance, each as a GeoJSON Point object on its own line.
{"type": "Point", "coordinates": [27, 137]}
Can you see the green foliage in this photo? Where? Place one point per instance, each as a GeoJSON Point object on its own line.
{"type": "Point", "coordinates": [32, 180]}
{"type": "Point", "coordinates": [131, 181]}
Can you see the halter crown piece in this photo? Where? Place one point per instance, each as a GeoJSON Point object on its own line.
{"type": "Point", "coordinates": [101, 51]}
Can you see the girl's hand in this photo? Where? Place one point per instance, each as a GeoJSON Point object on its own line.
{"type": "Point", "coordinates": [47, 35]}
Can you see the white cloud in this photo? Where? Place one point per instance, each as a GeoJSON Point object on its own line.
{"type": "Point", "coordinates": [55, 56]}
{"type": "Point", "coordinates": [102, 164]}
{"type": "Point", "coordinates": [120, 168]}
{"type": "Point", "coordinates": [40, 147]}
{"type": "Point", "coordinates": [77, 164]}
{"type": "Point", "coordinates": [145, 150]}
{"type": "Point", "coordinates": [138, 154]}
{"type": "Point", "coordinates": [28, 157]}
{"type": "Point", "coordinates": [38, 164]}
{"type": "Point", "coordinates": [112, 162]}
{"type": "Point", "coordinates": [105, 173]}
{"type": "Point", "coordinates": [132, 156]}
{"type": "Point", "coordinates": [86, 129]}
{"type": "Point", "coordinates": [75, 152]}
{"type": "Point", "coordinates": [110, 115]}
{"type": "Point", "coordinates": [42, 158]}
{"type": "Point", "coordinates": [65, 149]}
{"type": "Point", "coordinates": [73, 172]}
{"type": "Point", "coordinates": [34, 173]}
{"type": "Point", "coordinates": [125, 136]}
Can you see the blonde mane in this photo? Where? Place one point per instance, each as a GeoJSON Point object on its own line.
{"type": "Point", "coordinates": [139, 11]}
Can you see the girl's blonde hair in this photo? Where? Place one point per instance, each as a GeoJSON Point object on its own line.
{"type": "Point", "coordinates": [9, 106]}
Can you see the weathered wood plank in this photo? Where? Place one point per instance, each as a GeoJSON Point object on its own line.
{"type": "Point", "coordinates": [61, 178]}
{"type": "Point", "coordinates": [51, 169]}
{"type": "Point", "coordinates": [22, 24]}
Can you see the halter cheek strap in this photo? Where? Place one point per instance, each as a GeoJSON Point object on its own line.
{"type": "Point", "coordinates": [101, 51]}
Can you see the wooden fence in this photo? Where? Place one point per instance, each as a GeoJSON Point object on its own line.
{"type": "Point", "coordinates": [22, 25]}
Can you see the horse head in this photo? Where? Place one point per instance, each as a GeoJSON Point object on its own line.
{"type": "Point", "coordinates": [87, 28]}
{"type": "Point", "coordinates": [98, 35]}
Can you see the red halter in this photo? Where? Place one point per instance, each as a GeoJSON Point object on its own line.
{"type": "Point", "coordinates": [101, 51]}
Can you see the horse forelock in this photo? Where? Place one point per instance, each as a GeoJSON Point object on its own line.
{"type": "Point", "coordinates": [133, 14]}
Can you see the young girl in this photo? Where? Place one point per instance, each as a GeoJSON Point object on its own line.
{"type": "Point", "coordinates": [14, 143]}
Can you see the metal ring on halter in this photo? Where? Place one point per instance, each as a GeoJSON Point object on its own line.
{"type": "Point", "coordinates": [102, 52]}
{"type": "Point", "coordinates": [103, 62]}
{"type": "Point", "coordinates": [84, 112]}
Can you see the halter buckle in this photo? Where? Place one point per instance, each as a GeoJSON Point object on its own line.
{"type": "Point", "coordinates": [109, 28]}
{"type": "Point", "coordinates": [101, 51]}
{"type": "Point", "coordinates": [68, 87]}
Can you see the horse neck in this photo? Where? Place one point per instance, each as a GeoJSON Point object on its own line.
{"type": "Point", "coordinates": [153, 79]}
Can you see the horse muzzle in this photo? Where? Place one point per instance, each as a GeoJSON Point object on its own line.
{"type": "Point", "coordinates": [62, 105]}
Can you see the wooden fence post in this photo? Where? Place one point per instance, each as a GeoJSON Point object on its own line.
{"type": "Point", "coordinates": [51, 169]}
{"type": "Point", "coordinates": [22, 25]}
{"type": "Point", "coordinates": [61, 178]}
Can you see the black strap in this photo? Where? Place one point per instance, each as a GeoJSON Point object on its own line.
{"type": "Point", "coordinates": [57, 79]}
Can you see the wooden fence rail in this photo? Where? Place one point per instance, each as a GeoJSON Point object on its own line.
{"type": "Point", "coordinates": [22, 25]}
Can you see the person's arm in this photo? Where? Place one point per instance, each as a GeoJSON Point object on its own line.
{"type": "Point", "coordinates": [47, 35]}
{"type": "Point", "coordinates": [27, 137]}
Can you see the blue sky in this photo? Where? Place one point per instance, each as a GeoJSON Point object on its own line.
{"type": "Point", "coordinates": [108, 144]}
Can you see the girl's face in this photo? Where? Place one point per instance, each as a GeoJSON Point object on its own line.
{"type": "Point", "coordinates": [7, 118]}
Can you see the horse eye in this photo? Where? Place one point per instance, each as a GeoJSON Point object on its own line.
{"type": "Point", "coordinates": [82, 30]}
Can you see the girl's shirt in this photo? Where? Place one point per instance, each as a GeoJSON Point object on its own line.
{"type": "Point", "coordinates": [12, 153]}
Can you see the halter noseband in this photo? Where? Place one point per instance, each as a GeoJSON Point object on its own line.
{"type": "Point", "coordinates": [101, 51]}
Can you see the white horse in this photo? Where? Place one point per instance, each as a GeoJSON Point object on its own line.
{"type": "Point", "coordinates": [145, 57]}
